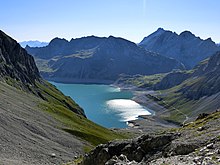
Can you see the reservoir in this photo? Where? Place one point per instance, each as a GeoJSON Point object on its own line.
{"type": "Point", "coordinates": [104, 104]}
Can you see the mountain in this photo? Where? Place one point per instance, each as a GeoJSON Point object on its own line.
{"type": "Point", "coordinates": [38, 124]}
{"type": "Point", "coordinates": [100, 60]}
{"type": "Point", "coordinates": [205, 77]}
{"type": "Point", "coordinates": [185, 47]}
{"type": "Point", "coordinates": [193, 92]}
{"type": "Point", "coordinates": [33, 44]}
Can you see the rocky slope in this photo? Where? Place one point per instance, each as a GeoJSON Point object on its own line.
{"type": "Point", "coordinates": [195, 143]}
{"type": "Point", "coordinates": [205, 75]}
{"type": "Point", "coordinates": [185, 47]}
{"type": "Point", "coordinates": [186, 94]}
{"type": "Point", "coordinates": [100, 60]}
{"type": "Point", "coordinates": [203, 80]}
{"type": "Point", "coordinates": [38, 124]}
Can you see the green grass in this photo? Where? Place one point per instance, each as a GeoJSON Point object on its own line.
{"type": "Point", "coordinates": [174, 99]}
{"type": "Point", "coordinates": [142, 81]}
{"type": "Point", "coordinates": [43, 65]}
{"type": "Point", "coordinates": [52, 95]}
{"type": "Point", "coordinates": [62, 108]}
{"type": "Point", "coordinates": [79, 126]}
{"type": "Point", "coordinates": [202, 122]}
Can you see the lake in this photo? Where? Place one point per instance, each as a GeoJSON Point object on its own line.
{"type": "Point", "coordinates": [104, 104]}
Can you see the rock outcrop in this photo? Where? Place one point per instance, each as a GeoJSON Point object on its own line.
{"type": "Point", "coordinates": [187, 145]}
{"type": "Point", "coordinates": [186, 47]}
{"type": "Point", "coordinates": [142, 148]}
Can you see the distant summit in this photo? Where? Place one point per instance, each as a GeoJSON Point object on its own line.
{"type": "Point", "coordinates": [185, 47]}
{"type": "Point", "coordinates": [33, 44]}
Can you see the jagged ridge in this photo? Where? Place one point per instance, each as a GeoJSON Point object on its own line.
{"type": "Point", "coordinates": [186, 47]}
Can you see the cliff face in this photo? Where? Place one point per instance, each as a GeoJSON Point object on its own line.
{"type": "Point", "coordinates": [186, 47]}
{"type": "Point", "coordinates": [206, 79]}
{"type": "Point", "coordinates": [15, 62]}
{"type": "Point", "coordinates": [93, 59]}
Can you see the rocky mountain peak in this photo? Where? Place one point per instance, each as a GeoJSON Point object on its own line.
{"type": "Point", "coordinates": [119, 42]}
{"type": "Point", "coordinates": [187, 34]}
{"type": "Point", "coordinates": [58, 41]}
{"type": "Point", "coordinates": [186, 47]}
{"type": "Point", "coordinates": [160, 29]}
{"type": "Point", "coordinates": [15, 62]}
{"type": "Point", "coordinates": [160, 33]}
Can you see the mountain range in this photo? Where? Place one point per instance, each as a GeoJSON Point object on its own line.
{"type": "Point", "coordinates": [185, 47]}
{"type": "Point", "coordinates": [33, 43]}
{"type": "Point", "coordinates": [39, 125]}
{"type": "Point", "coordinates": [97, 60]}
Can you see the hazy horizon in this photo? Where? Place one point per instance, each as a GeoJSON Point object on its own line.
{"type": "Point", "coordinates": [33, 40]}
{"type": "Point", "coordinates": [133, 20]}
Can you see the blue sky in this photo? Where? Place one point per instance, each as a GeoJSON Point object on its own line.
{"type": "Point", "coordinates": [131, 19]}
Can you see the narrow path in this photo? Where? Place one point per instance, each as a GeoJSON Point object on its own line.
{"type": "Point", "coordinates": [186, 116]}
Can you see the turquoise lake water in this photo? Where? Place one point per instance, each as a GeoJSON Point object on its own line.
{"type": "Point", "coordinates": [104, 104]}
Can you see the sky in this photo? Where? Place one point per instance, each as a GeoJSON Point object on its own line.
{"type": "Point", "coordinates": [44, 20]}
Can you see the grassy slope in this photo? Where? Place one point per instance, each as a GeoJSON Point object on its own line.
{"type": "Point", "coordinates": [63, 108]}
{"type": "Point", "coordinates": [141, 81]}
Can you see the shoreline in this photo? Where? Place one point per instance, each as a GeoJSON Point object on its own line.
{"type": "Point", "coordinates": [144, 122]}
{"type": "Point", "coordinates": [149, 123]}
{"type": "Point", "coordinates": [80, 81]}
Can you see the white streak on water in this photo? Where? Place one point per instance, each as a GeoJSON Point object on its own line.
{"type": "Point", "coordinates": [114, 89]}
{"type": "Point", "coordinates": [127, 109]}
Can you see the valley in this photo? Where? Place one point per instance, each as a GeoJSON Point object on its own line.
{"type": "Point", "coordinates": [110, 82]}
{"type": "Point", "coordinates": [159, 97]}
